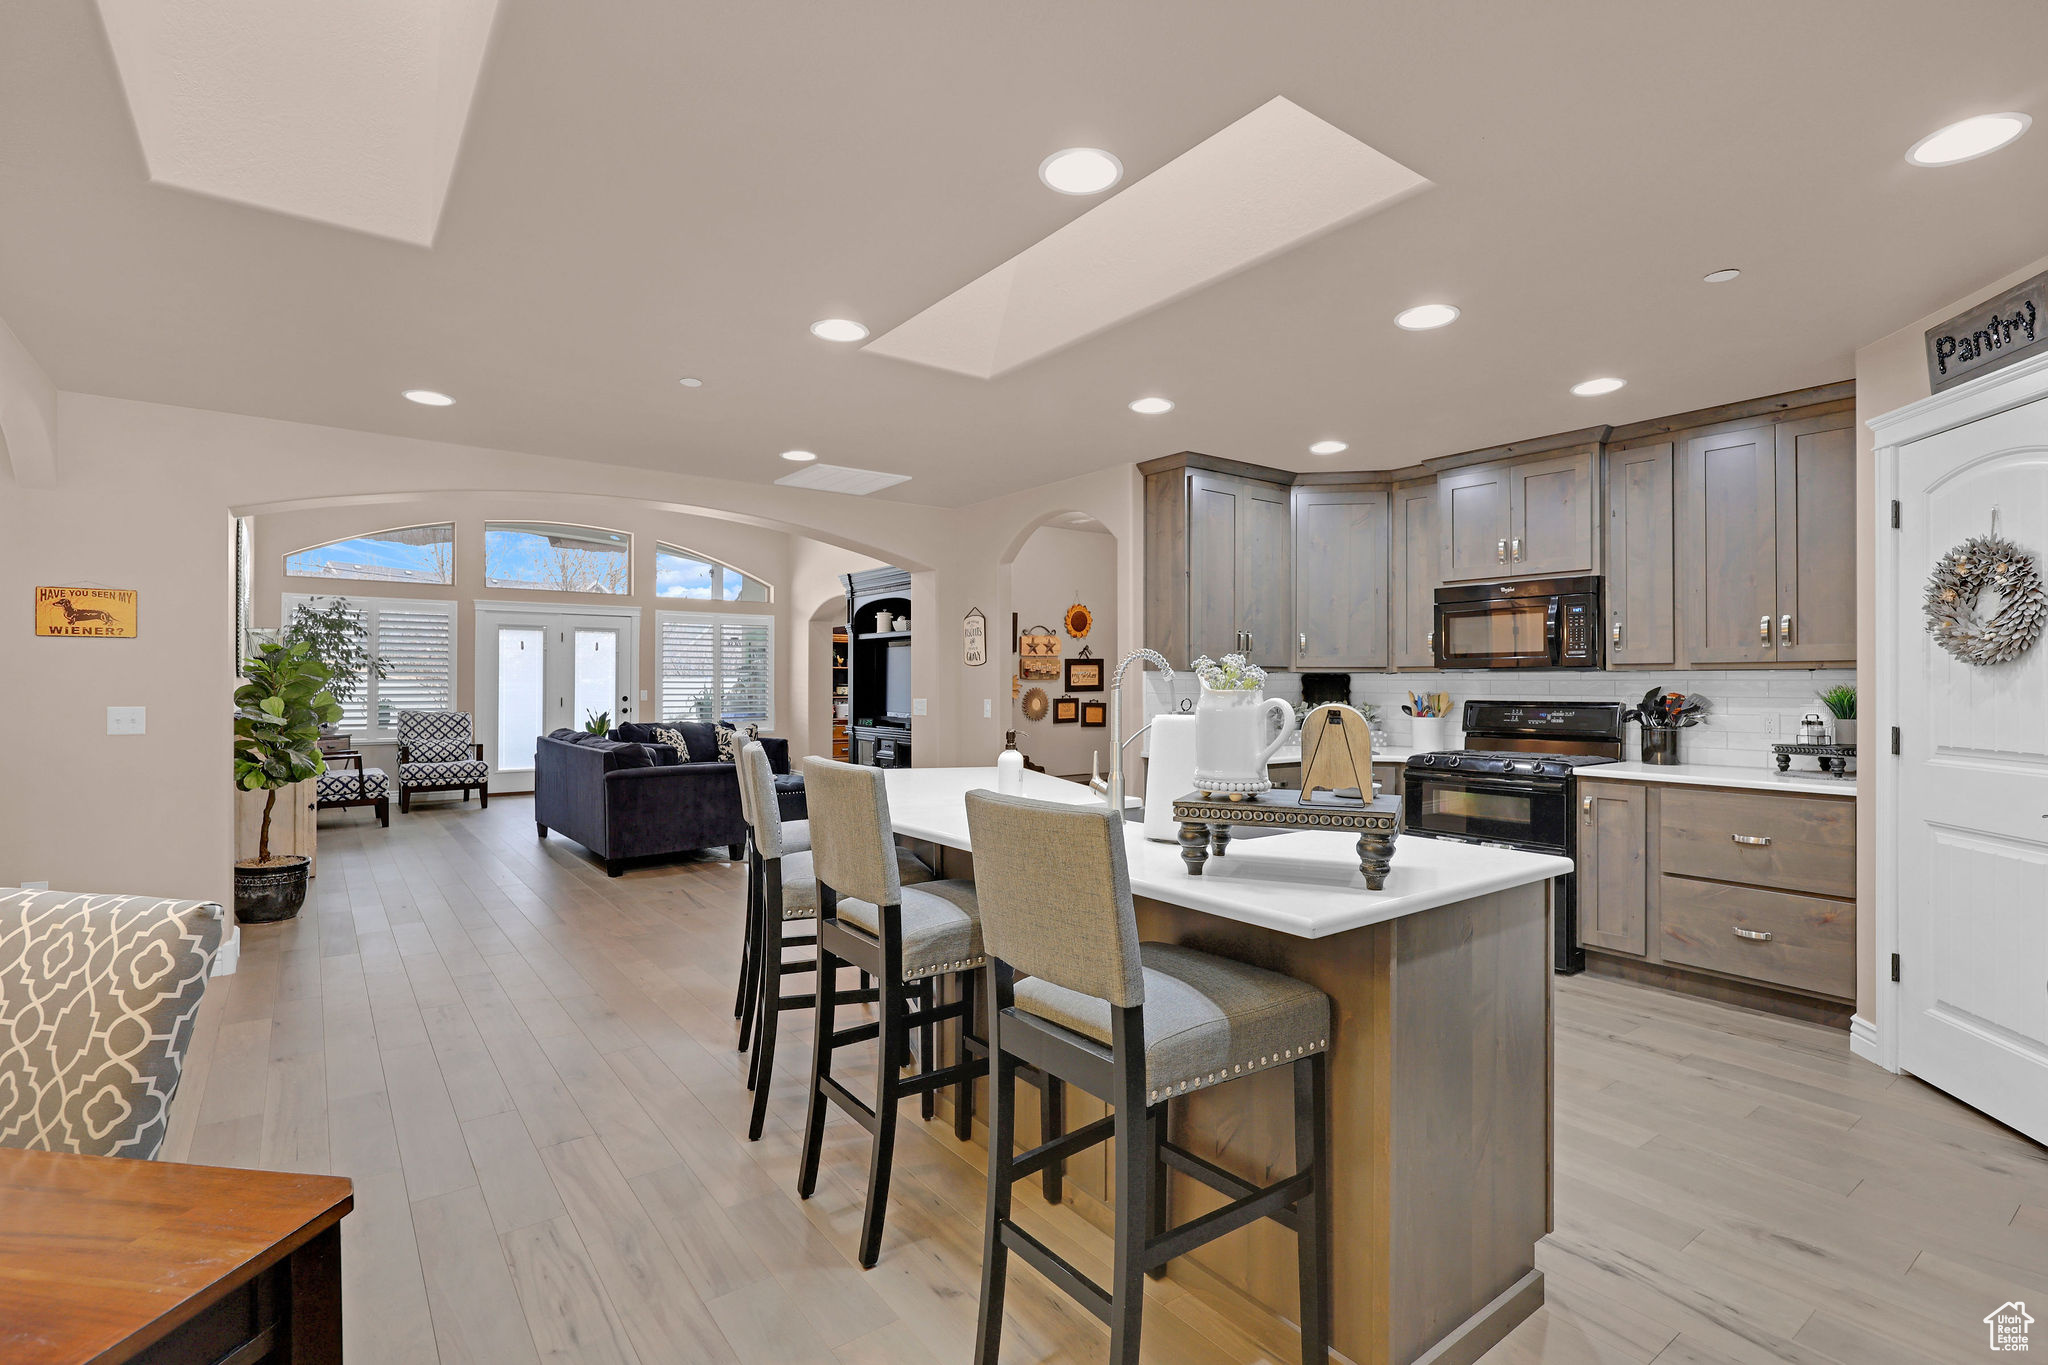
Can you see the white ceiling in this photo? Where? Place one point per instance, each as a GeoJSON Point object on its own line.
{"type": "Point", "coordinates": [648, 190]}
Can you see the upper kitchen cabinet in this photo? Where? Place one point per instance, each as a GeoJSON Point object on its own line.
{"type": "Point", "coordinates": [1529, 518]}
{"type": "Point", "coordinates": [1217, 562]}
{"type": "Point", "coordinates": [1416, 576]}
{"type": "Point", "coordinates": [1766, 543]}
{"type": "Point", "coordinates": [1341, 561]}
{"type": "Point", "coordinates": [1641, 625]}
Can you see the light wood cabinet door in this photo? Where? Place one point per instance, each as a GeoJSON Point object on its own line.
{"type": "Point", "coordinates": [1728, 564]}
{"type": "Point", "coordinates": [1816, 498]}
{"type": "Point", "coordinates": [1214, 513]}
{"type": "Point", "coordinates": [1552, 529]}
{"type": "Point", "coordinates": [1613, 866]}
{"type": "Point", "coordinates": [1474, 512]}
{"type": "Point", "coordinates": [1265, 571]}
{"type": "Point", "coordinates": [1641, 626]}
{"type": "Point", "coordinates": [1340, 577]}
{"type": "Point", "coordinates": [1416, 547]}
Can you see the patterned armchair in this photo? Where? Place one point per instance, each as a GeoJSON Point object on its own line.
{"type": "Point", "coordinates": [98, 995]}
{"type": "Point", "coordinates": [438, 752]}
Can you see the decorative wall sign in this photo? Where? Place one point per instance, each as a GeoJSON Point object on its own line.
{"type": "Point", "coordinates": [1079, 621]}
{"type": "Point", "coordinates": [102, 613]}
{"type": "Point", "coordinates": [1039, 655]}
{"type": "Point", "coordinates": [1035, 704]}
{"type": "Point", "coordinates": [974, 638]}
{"type": "Point", "coordinates": [1094, 715]}
{"type": "Point", "coordinates": [1990, 336]}
{"type": "Point", "coordinates": [1084, 675]}
{"type": "Point", "coordinates": [1066, 710]}
{"type": "Point", "coordinates": [1953, 621]}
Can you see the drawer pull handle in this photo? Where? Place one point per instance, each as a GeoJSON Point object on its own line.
{"type": "Point", "coordinates": [1753, 934]}
{"type": "Point", "coordinates": [1757, 840]}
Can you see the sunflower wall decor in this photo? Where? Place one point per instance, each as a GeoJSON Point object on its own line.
{"type": "Point", "coordinates": [1080, 621]}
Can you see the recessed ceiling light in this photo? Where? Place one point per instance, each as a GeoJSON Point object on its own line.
{"type": "Point", "coordinates": [1152, 407]}
{"type": "Point", "coordinates": [1720, 276]}
{"type": "Point", "coordinates": [798, 456]}
{"type": "Point", "coordinates": [691, 383]}
{"type": "Point", "coordinates": [838, 329]}
{"type": "Point", "coordinates": [1425, 316]}
{"type": "Point", "coordinates": [1080, 170]}
{"type": "Point", "coordinates": [1593, 388]}
{"type": "Point", "coordinates": [1328, 448]}
{"type": "Point", "coordinates": [428, 398]}
{"type": "Point", "coordinates": [1967, 140]}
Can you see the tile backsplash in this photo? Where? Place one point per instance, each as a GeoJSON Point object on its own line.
{"type": "Point", "coordinates": [1750, 710]}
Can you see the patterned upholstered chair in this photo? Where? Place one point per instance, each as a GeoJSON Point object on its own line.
{"type": "Point", "coordinates": [1134, 1024]}
{"type": "Point", "coordinates": [98, 995]}
{"type": "Point", "coordinates": [341, 788]}
{"type": "Point", "coordinates": [438, 752]}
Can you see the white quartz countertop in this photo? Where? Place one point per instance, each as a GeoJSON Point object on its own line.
{"type": "Point", "coordinates": [1718, 775]}
{"type": "Point", "coordinates": [1301, 882]}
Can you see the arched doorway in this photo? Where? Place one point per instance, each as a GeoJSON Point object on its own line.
{"type": "Point", "coordinates": [1067, 559]}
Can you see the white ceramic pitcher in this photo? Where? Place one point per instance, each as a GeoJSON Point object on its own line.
{"type": "Point", "coordinates": [1231, 748]}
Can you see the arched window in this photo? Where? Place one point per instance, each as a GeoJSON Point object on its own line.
{"type": "Point", "coordinates": [407, 554]}
{"type": "Point", "coordinates": [685, 573]}
{"type": "Point", "coordinates": [541, 556]}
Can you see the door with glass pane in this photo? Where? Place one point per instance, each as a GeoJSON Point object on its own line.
{"type": "Point", "coordinates": [539, 671]}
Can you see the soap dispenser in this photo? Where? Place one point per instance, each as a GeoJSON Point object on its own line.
{"type": "Point", "coordinates": [1010, 767]}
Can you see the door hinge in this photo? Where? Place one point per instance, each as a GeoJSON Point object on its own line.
{"type": "Point", "coordinates": [1895, 514]}
{"type": "Point", "coordinates": [1895, 739]}
{"type": "Point", "coordinates": [1895, 966]}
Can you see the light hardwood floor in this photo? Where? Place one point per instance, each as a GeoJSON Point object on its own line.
{"type": "Point", "coordinates": [527, 1069]}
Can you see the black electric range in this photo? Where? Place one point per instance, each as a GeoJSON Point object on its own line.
{"type": "Point", "coordinates": [1511, 786]}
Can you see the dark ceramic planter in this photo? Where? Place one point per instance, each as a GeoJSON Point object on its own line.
{"type": "Point", "coordinates": [264, 895]}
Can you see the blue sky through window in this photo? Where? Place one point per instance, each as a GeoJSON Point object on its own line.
{"type": "Point", "coordinates": [410, 554]}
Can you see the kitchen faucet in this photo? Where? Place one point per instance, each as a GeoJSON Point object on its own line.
{"type": "Point", "coordinates": [1113, 787]}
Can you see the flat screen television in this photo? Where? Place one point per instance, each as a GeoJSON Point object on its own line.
{"type": "Point", "coordinates": [896, 685]}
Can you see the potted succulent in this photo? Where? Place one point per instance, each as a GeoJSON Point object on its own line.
{"type": "Point", "coordinates": [279, 709]}
{"type": "Point", "coordinates": [332, 627]}
{"type": "Point", "coordinates": [1841, 703]}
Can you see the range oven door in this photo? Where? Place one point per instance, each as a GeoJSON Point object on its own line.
{"type": "Point", "coordinates": [1520, 812]}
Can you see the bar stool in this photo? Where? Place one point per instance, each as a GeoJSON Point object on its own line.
{"type": "Point", "coordinates": [781, 888]}
{"type": "Point", "coordinates": [796, 838]}
{"type": "Point", "coordinates": [1133, 1024]}
{"type": "Point", "coordinates": [901, 935]}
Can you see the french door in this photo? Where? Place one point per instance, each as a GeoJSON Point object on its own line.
{"type": "Point", "coordinates": [543, 669]}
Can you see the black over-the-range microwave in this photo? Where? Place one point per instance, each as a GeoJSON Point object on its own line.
{"type": "Point", "coordinates": [1534, 623]}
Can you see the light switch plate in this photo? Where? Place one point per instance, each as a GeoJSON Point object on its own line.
{"type": "Point", "coordinates": [988, 708]}
{"type": "Point", "coordinates": [126, 720]}
{"type": "Point", "coordinates": [917, 706]}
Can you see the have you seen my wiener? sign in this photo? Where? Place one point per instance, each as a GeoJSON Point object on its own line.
{"type": "Point", "coordinates": [107, 613]}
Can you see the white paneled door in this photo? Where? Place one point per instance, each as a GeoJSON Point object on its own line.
{"type": "Point", "coordinates": [547, 669]}
{"type": "Point", "coordinates": [1971, 853]}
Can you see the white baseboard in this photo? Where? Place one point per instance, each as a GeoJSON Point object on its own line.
{"type": "Point", "coordinates": [1863, 1040]}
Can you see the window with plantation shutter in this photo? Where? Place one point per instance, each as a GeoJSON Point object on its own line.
{"type": "Point", "coordinates": [716, 667]}
{"type": "Point", "coordinates": [416, 641]}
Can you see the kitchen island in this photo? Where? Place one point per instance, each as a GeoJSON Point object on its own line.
{"type": "Point", "coordinates": [1440, 1070]}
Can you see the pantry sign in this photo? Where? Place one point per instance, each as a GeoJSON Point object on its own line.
{"type": "Point", "coordinates": [105, 613]}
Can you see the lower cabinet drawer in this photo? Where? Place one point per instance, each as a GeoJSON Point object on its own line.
{"type": "Point", "coordinates": [1805, 943]}
{"type": "Point", "coordinates": [1794, 843]}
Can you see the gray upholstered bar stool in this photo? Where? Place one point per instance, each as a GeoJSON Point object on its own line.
{"type": "Point", "coordinates": [902, 935]}
{"type": "Point", "coordinates": [1133, 1024]}
{"type": "Point", "coordinates": [781, 887]}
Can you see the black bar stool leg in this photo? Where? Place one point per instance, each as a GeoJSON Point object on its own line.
{"type": "Point", "coordinates": [754, 954]}
{"type": "Point", "coordinates": [1311, 1130]}
{"type": "Point", "coordinates": [963, 1093]}
{"type": "Point", "coordinates": [739, 997]}
{"type": "Point", "coordinates": [1134, 1162]}
{"type": "Point", "coordinates": [821, 1063]}
{"type": "Point", "coordinates": [895, 1037]}
{"type": "Point", "coordinates": [768, 1012]}
{"type": "Point", "coordinates": [1002, 1141]}
{"type": "Point", "coordinates": [1052, 1122]}
{"type": "Point", "coordinates": [1155, 1138]}
{"type": "Point", "coordinates": [926, 1061]}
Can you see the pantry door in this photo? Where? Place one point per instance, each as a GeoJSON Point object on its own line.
{"type": "Point", "coordinates": [548, 669]}
{"type": "Point", "coordinates": [1970, 783]}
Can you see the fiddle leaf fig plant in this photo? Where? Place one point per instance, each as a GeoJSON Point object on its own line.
{"type": "Point", "coordinates": [279, 709]}
{"type": "Point", "coordinates": [332, 627]}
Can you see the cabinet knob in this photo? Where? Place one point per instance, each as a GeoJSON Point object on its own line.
{"type": "Point", "coordinates": [1500, 551]}
{"type": "Point", "coordinates": [1754, 935]}
{"type": "Point", "coordinates": [1763, 629]}
{"type": "Point", "coordinates": [1785, 629]}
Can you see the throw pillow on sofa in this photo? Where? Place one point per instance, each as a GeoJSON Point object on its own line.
{"type": "Point", "coordinates": [731, 739]}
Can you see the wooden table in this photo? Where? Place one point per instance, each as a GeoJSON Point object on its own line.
{"type": "Point", "coordinates": [104, 1259]}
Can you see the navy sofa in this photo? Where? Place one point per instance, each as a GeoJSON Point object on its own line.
{"type": "Point", "coordinates": [626, 798]}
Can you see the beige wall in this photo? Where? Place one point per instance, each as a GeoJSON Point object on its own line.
{"type": "Point", "coordinates": [1056, 568]}
{"type": "Point", "coordinates": [142, 498]}
{"type": "Point", "coordinates": [1890, 373]}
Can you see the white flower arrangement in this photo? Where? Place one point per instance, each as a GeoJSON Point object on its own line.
{"type": "Point", "coordinates": [1232, 673]}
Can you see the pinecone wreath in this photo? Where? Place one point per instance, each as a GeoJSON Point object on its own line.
{"type": "Point", "coordinates": [1951, 603]}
